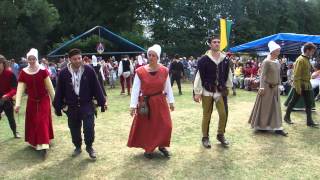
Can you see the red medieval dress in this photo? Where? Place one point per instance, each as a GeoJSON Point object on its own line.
{"type": "Point", "coordinates": [38, 122]}
{"type": "Point", "coordinates": [150, 132]}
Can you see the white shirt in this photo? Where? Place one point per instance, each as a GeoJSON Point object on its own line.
{"type": "Point", "coordinates": [137, 87]}
{"type": "Point", "coordinates": [120, 70]}
{"type": "Point", "coordinates": [76, 78]}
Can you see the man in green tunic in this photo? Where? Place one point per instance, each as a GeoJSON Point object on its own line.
{"type": "Point", "coordinates": [302, 85]}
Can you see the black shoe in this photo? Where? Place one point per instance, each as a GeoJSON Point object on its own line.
{"type": "Point", "coordinates": [148, 155]}
{"type": "Point", "coordinates": [76, 152]}
{"type": "Point", "coordinates": [44, 154]}
{"type": "Point", "coordinates": [164, 151]}
{"type": "Point", "coordinates": [180, 93]}
{"type": "Point", "coordinates": [16, 135]}
{"type": "Point", "coordinates": [234, 93]}
{"type": "Point", "coordinates": [287, 120]}
{"type": "Point", "coordinates": [313, 124]}
{"type": "Point", "coordinates": [281, 132]}
{"type": "Point", "coordinates": [91, 152]}
{"type": "Point", "coordinates": [206, 142]}
{"type": "Point", "coordinates": [222, 139]}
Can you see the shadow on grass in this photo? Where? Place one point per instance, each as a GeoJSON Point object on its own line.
{"type": "Point", "coordinates": [68, 168]}
{"type": "Point", "coordinates": [140, 167]}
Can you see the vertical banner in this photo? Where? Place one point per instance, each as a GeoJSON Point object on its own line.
{"type": "Point", "coordinates": [225, 31]}
{"type": "Point", "coordinates": [229, 26]}
{"type": "Point", "coordinates": [223, 34]}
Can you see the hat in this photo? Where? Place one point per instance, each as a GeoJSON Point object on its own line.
{"type": "Point", "coordinates": [273, 46]}
{"type": "Point", "coordinates": [157, 49]}
{"type": "Point", "coordinates": [33, 52]}
{"type": "Point", "coordinates": [94, 60]}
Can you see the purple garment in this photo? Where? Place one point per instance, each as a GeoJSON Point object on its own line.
{"type": "Point", "coordinates": [89, 89]}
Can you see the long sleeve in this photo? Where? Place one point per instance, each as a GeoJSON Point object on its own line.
{"type": "Point", "coordinates": [298, 67]}
{"type": "Point", "coordinates": [120, 69]}
{"type": "Point", "coordinates": [168, 91]}
{"type": "Point", "coordinates": [197, 85]}
{"type": "Point", "coordinates": [131, 68]}
{"type": "Point", "coordinates": [263, 74]}
{"type": "Point", "coordinates": [13, 87]}
{"type": "Point", "coordinates": [229, 83]}
{"type": "Point", "coordinates": [98, 91]}
{"type": "Point", "coordinates": [49, 87]}
{"type": "Point", "coordinates": [102, 74]}
{"type": "Point", "coordinates": [135, 92]}
{"type": "Point", "coordinates": [58, 102]}
{"type": "Point", "coordinates": [20, 90]}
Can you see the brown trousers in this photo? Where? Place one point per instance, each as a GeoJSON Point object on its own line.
{"type": "Point", "coordinates": [207, 106]}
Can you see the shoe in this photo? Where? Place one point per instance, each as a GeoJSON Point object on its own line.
{"type": "Point", "coordinates": [312, 124]}
{"type": "Point", "coordinates": [92, 153]}
{"type": "Point", "coordinates": [76, 152]}
{"type": "Point", "coordinates": [44, 154]}
{"type": "Point", "coordinates": [222, 139]}
{"type": "Point", "coordinates": [234, 93]}
{"type": "Point", "coordinates": [148, 155]}
{"type": "Point", "coordinates": [180, 93]}
{"type": "Point", "coordinates": [16, 135]}
{"type": "Point", "coordinates": [164, 151]}
{"type": "Point", "coordinates": [122, 92]}
{"type": "Point", "coordinates": [281, 132]}
{"type": "Point", "coordinates": [287, 120]}
{"type": "Point", "coordinates": [206, 142]}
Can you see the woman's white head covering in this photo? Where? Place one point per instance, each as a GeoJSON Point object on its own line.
{"type": "Point", "coordinates": [33, 52]}
{"type": "Point", "coordinates": [273, 46]}
{"type": "Point", "coordinates": [94, 60]}
{"type": "Point", "coordinates": [157, 49]}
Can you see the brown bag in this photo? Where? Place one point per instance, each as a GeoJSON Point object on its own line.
{"type": "Point", "coordinates": [143, 108]}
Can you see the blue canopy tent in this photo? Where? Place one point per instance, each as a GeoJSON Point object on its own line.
{"type": "Point", "coordinates": [125, 45]}
{"type": "Point", "coordinates": [290, 43]}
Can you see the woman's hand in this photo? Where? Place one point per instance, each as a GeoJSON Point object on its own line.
{"type": "Point", "coordinates": [133, 112]}
{"type": "Point", "coordinates": [16, 109]}
{"type": "Point", "coordinates": [171, 106]}
{"type": "Point", "coordinates": [261, 91]}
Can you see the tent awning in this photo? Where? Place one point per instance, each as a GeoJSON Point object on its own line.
{"type": "Point", "coordinates": [126, 46]}
{"type": "Point", "coordinates": [290, 43]}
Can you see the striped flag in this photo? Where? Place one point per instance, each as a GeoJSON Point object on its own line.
{"type": "Point", "coordinates": [225, 31]}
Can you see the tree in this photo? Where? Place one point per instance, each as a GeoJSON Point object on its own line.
{"type": "Point", "coordinates": [26, 24]}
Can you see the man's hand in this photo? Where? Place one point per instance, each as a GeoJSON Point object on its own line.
{"type": "Point", "coordinates": [58, 113]}
{"type": "Point", "coordinates": [197, 98]}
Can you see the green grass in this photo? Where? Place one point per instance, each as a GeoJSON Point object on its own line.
{"type": "Point", "coordinates": [250, 156]}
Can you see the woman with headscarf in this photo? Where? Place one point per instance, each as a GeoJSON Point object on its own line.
{"type": "Point", "coordinates": [266, 113]}
{"type": "Point", "coordinates": [38, 122]}
{"type": "Point", "coordinates": [151, 93]}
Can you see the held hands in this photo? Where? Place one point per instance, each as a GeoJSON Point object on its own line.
{"type": "Point", "coordinates": [58, 113]}
{"type": "Point", "coordinates": [171, 106]}
{"type": "Point", "coordinates": [197, 98]}
{"type": "Point", "coordinates": [261, 91]}
{"type": "Point", "coordinates": [133, 112]}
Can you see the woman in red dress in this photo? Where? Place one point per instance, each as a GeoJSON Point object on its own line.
{"type": "Point", "coordinates": [38, 123]}
{"type": "Point", "coordinates": [151, 129]}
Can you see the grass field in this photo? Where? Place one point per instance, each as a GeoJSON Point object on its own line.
{"type": "Point", "coordinates": [250, 155]}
